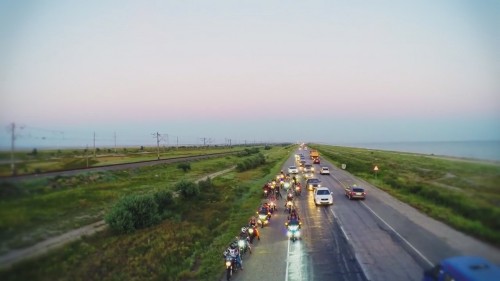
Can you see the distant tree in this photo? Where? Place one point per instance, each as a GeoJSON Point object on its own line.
{"type": "Point", "coordinates": [142, 147]}
{"type": "Point", "coordinates": [34, 152]}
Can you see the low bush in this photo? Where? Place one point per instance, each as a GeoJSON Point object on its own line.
{"type": "Point", "coordinates": [133, 212]}
{"type": "Point", "coordinates": [164, 198]}
{"type": "Point", "coordinates": [251, 162]}
{"type": "Point", "coordinates": [185, 166]}
{"type": "Point", "coordinates": [248, 152]}
{"type": "Point", "coordinates": [187, 189]}
{"type": "Point", "coordinates": [205, 184]}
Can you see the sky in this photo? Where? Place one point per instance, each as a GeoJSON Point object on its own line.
{"type": "Point", "coordinates": [250, 71]}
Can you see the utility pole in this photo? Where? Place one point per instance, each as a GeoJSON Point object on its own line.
{"type": "Point", "coordinates": [115, 142]}
{"type": "Point", "coordinates": [94, 146]}
{"type": "Point", "coordinates": [157, 135]}
{"type": "Point", "coordinates": [87, 155]}
{"type": "Point", "coordinates": [177, 142]}
{"type": "Point", "coordinates": [230, 146]}
{"type": "Point", "coordinates": [13, 139]}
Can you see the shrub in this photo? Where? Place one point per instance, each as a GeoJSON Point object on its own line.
{"type": "Point", "coordinates": [185, 166]}
{"type": "Point", "coordinates": [133, 212]}
{"type": "Point", "coordinates": [205, 184]}
{"type": "Point", "coordinates": [250, 163]}
{"type": "Point", "coordinates": [163, 198]}
{"type": "Point", "coordinates": [187, 189]}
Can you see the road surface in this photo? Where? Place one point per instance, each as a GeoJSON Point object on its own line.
{"type": "Point", "coordinates": [379, 238]}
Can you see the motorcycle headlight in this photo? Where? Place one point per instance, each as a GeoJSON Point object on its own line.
{"type": "Point", "coordinates": [287, 185]}
{"type": "Point", "coordinates": [289, 233]}
{"type": "Point", "coordinates": [228, 263]}
{"type": "Point", "coordinates": [262, 217]}
{"type": "Point", "coordinates": [241, 243]}
{"type": "Point", "coordinates": [250, 231]}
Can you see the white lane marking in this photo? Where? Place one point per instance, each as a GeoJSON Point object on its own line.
{"type": "Point", "coordinates": [391, 228]}
{"type": "Point", "coordinates": [400, 236]}
{"type": "Point", "coordinates": [361, 263]}
{"type": "Point", "coordinates": [340, 225]}
{"type": "Point", "coordinates": [287, 260]}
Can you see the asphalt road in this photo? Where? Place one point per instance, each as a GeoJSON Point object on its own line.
{"type": "Point", "coordinates": [378, 238]}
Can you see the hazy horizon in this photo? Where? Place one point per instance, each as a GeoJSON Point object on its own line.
{"type": "Point", "coordinates": [315, 71]}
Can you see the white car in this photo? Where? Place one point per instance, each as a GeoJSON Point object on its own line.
{"type": "Point", "coordinates": [323, 196]}
{"type": "Point", "coordinates": [293, 170]}
{"type": "Point", "coordinates": [324, 171]}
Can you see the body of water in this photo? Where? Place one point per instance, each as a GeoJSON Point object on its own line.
{"type": "Point", "coordinates": [483, 150]}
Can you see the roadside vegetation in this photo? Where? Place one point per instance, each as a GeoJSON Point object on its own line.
{"type": "Point", "coordinates": [38, 161]}
{"type": "Point", "coordinates": [464, 194]}
{"type": "Point", "coordinates": [33, 210]}
{"type": "Point", "coordinates": [185, 243]}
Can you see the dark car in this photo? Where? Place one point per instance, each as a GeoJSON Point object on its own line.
{"type": "Point", "coordinates": [313, 183]}
{"type": "Point", "coordinates": [353, 192]}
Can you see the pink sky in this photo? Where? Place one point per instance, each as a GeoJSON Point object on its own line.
{"type": "Point", "coordinates": [92, 63]}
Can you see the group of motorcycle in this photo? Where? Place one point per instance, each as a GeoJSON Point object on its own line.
{"type": "Point", "coordinates": [240, 246]}
{"type": "Point", "coordinates": [272, 192]}
{"type": "Point", "coordinates": [272, 189]}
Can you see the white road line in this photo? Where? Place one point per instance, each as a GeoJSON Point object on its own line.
{"type": "Point", "coordinates": [400, 236]}
{"type": "Point", "coordinates": [359, 260]}
{"type": "Point", "coordinates": [391, 228]}
{"type": "Point", "coordinates": [340, 225]}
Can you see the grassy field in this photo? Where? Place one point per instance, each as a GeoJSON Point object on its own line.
{"type": "Point", "coordinates": [33, 210]}
{"type": "Point", "coordinates": [28, 162]}
{"type": "Point", "coordinates": [186, 246]}
{"type": "Point", "coordinates": [464, 194]}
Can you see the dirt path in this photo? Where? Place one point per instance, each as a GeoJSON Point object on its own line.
{"type": "Point", "coordinates": [43, 247]}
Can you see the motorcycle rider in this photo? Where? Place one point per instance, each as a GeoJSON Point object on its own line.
{"type": "Point", "coordinates": [253, 224]}
{"type": "Point", "coordinates": [298, 188]}
{"type": "Point", "coordinates": [245, 237]}
{"type": "Point", "coordinates": [234, 252]}
{"type": "Point", "coordinates": [293, 215]}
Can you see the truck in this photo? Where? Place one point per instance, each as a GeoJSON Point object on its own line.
{"type": "Point", "coordinates": [314, 154]}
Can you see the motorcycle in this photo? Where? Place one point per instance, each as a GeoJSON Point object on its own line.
{"type": "Point", "coordinates": [263, 219]}
{"type": "Point", "coordinates": [298, 190]}
{"type": "Point", "coordinates": [293, 230]}
{"type": "Point", "coordinates": [230, 266]}
{"type": "Point", "coordinates": [252, 232]}
{"type": "Point", "coordinates": [244, 246]}
{"type": "Point", "coordinates": [289, 206]}
{"type": "Point", "coordinates": [286, 186]}
{"type": "Point", "coordinates": [266, 193]}
{"type": "Point", "coordinates": [272, 207]}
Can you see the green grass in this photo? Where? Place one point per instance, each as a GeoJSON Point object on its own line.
{"type": "Point", "coordinates": [36, 209]}
{"type": "Point", "coordinates": [463, 194]}
{"type": "Point", "coordinates": [186, 246]}
{"type": "Point", "coordinates": [52, 160]}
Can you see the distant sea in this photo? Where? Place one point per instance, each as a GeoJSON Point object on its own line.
{"type": "Point", "coordinates": [482, 150]}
